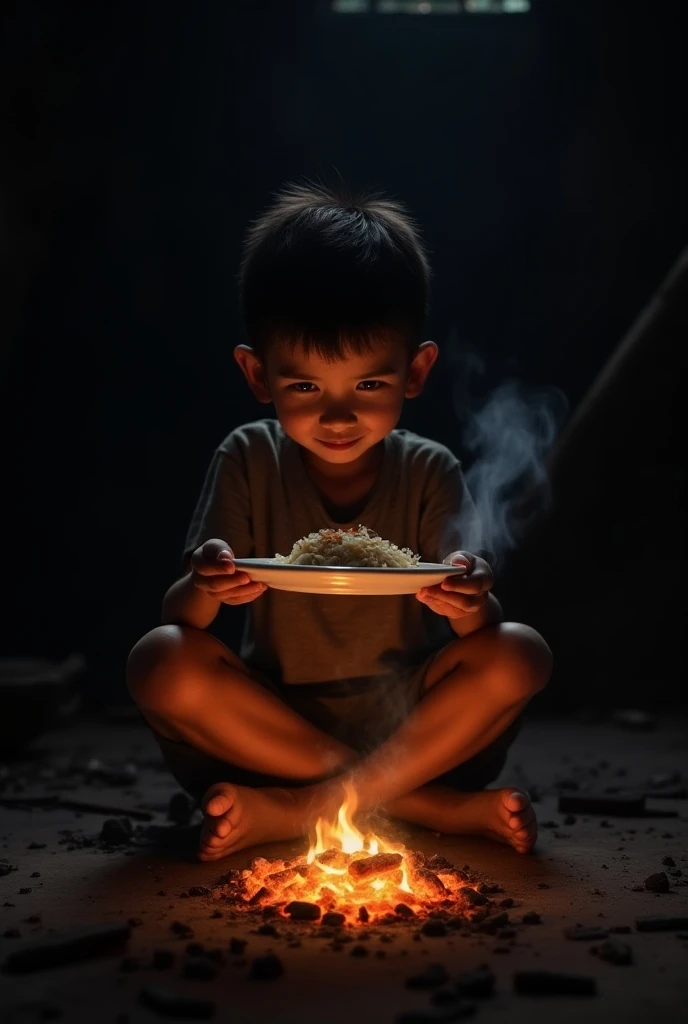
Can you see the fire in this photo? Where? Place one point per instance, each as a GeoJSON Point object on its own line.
{"type": "Point", "coordinates": [356, 878]}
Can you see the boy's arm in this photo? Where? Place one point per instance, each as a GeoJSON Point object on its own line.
{"type": "Point", "coordinates": [186, 605]}
{"type": "Point", "coordinates": [490, 613]}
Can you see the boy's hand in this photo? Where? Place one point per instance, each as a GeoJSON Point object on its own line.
{"type": "Point", "coordinates": [458, 596]}
{"type": "Point", "coordinates": [214, 572]}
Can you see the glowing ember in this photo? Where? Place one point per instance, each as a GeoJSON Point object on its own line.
{"type": "Point", "coordinates": [345, 870]}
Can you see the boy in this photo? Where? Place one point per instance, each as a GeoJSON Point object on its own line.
{"type": "Point", "coordinates": [408, 702]}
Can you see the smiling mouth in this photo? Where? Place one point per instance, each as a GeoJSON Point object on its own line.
{"type": "Point", "coordinates": [338, 445]}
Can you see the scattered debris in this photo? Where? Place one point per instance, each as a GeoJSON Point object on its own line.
{"type": "Point", "coordinates": [180, 809]}
{"type": "Point", "coordinates": [300, 911]}
{"type": "Point", "coordinates": [333, 919]}
{"type": "Point", "coordinates": [265, 968]}
{"type": "Point", "coordinates": [359, 951]}
{"type": "Point", "coordinates": [434, 929]}
{"type": "Point", "coordinates": [661, 924]}
{"type": "Point", "coordinates": [613, 951]}
{"type": "Point", "coordinates": [552, 983]}
{"type": "Point", "coordinates": [170, 1004]}
{"type": "Point", "coordinates": [657, 882]}
{"type": "Point", "coordinates": [181, 930]}
{"type": "Point", "coordinates": [116, 832]}
{"type": "Point", "coordinates": [65, 949]}
{"type": "Point", "coordinates": [532, 917]}
{"type": "Point", "coordinates": [6, 867]}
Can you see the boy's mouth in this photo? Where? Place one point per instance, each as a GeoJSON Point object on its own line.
{"type": "Point", "coordinates": [338, 446]}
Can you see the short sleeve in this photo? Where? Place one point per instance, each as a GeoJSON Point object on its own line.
{"type": "Point", "coordinates": [448, 514]}
{"type": "Point", "coordinates": [224, 508]}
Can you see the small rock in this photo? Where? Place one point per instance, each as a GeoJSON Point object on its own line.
{"type": "Point", "coordinates": [268, 929]}
{"type": "Point", "coordinates": [333, 919]}
{"type": "Point", "coordinates": [614, 952]}
{"type": "Point", "coordinates": [532, 917]}
{"type": "Point", "coordinates": [434, 929]}
{"type": "Point", "coordinates": [36, 846]}
{"type": "Point", "coordinates": [570, 819]}
{"type": "Point", "coordinates": [265, 968]}
{"type": "Point", "coordinates": [199, 890]}
{"type": "Point", "coordinates": [358, 951]}
{"type": "Point", "coordinates": [237, 946]}
{"type": "Point", "coordinates": [669, 862]}
{"type": "Point", "coordinates": [300, 911]}
{"type": "Point", "coordinates": [181, 930]}
{"type": "Point", "coordinates": [116, 832]}
{"type": "Point", "coordinates": [657, 882]}
{"type": "Point", "coordinates": [508, 902]}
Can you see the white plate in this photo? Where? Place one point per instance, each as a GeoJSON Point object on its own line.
{"type": "Point", "coordinates": [341, 579]}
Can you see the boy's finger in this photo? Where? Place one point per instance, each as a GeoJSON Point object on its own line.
{"type": "Point", "coordinates": [475, 584]}
{"type": "Point", "coordinates": [214, 584]}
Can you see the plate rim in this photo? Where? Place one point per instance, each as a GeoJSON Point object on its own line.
{"type": "Point", "coordinates": [422, 567]}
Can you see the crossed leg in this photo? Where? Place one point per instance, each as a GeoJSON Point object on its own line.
{"type": "Point", "coordinates": [190, 687]}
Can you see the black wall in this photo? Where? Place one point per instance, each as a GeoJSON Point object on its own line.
{"type": "Point", "coordinates": [544, 156]}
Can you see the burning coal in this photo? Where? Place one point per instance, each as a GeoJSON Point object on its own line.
{"type": "Point", "coordinates": [357, 877]}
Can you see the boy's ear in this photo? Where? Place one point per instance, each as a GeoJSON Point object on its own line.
{"type": "Point", "coordinates": [254, 372]}
{"type": "Point", "coordinates": [421, 364]}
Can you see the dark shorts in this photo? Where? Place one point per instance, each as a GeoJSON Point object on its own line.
{"type": "Point", "coordinates": [359, 713]}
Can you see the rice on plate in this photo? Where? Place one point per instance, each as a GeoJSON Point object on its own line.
{"type": "Point", "coordinates": [356, 548]}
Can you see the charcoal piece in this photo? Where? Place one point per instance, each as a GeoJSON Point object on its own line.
{"type": "Point", "coordinates": [473, 897]}
{"type": "Point", "coordinates": [265, 968]}
{"type": "Point", "coordinates": [180, 809]}
{"type": "Point", "coordinates": [433, 885]}
{"type": "Point", "coordinates": [620, 806]}
{"type": "Point", "coordinates": [195, 949]}
{"type": "Point", "coordinates": [268, 929]}
{"type": "Point", "coordinates": [36, 846]}
{"type": "Point", "coordinates": [6, 867]}
{"type": "Point", "coordinates": [300, 911]}
{"type": "Point", "coordinates": [661, 924]}
{"type": "Point", "coordinates": [431, 976]}
{"type": "Point", "coordinates": [492, 923]}
{"type": "Point", "coordinates": [378, 864]}
{"type": "Point", "coordinates": [363, 915]}
{"type": "Point", "coordinates": [259, 895]}
{"type": "Point", "coordinates": [437, 863]}
{"type": "Point", "coordinates": [181, 930]}
{"type": "Point", "coordinates": [64, 949]}
{"type": "Point", "coordinates": [584, 933]}
{"type": "Point", "coordinates": [170, 1004]}
{"type": "Point", "coordinates": [359, 951]}
{"type": "Point", "coordinates": [570, 819]}
{"type": "Point", "coordinates": [237, 946]}
{"type": "Point", "coordinates": [333, 919]}
{"type": "Point", "coordinates": [200, 968]}
{"type": "Point", "coordinates": [116, 832]}
{"type": "Point", "coordinates": [25, 890]}
{"type": "Point", "coordinates": [532, 917]}
{"type": "Point", "coordinates": [657, 882]}
{"type": "Point", "coordinates": [434, 929]}
{"type": "Point", "coordinates": [553, 983]}
{"type": "Point", "coordinates": [613, 951]}
{"type": "Point", "coordinates": [162, 959]}
{"type": "Point", "coordinates": [402, 910]}
{"type": "Point", "coordinates": [669, 862]}
{"type": "Point", "coordinates": [508, 902]}
{"type": "Point", "coordinates": [199, 890]}
{"type": "Point", "coordinates": [477, 984]}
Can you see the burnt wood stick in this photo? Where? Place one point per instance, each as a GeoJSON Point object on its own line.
{"type": "Point", "coordinates": [66, 949]}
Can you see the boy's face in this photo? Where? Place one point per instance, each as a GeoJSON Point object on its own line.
{"type": "Point", "coordinates": [339, 410]}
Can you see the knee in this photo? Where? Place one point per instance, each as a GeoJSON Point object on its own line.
{"type": "Point", "coordinates": [522, 660]}
{"type": "Point", "coordinates": [157, 669]}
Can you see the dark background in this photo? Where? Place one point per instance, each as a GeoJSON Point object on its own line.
{"type": "Point", "coordinates": [544, 156]}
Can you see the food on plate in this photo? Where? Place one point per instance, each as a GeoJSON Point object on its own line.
{"type": "Point", "coordinates": [357, 547]}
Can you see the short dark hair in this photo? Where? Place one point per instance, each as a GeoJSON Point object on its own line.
{"type": "Point", "coordinates": [333, 272]}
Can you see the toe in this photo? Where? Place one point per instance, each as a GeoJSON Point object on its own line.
{"type": "Point", "coordinates": [516, 801]}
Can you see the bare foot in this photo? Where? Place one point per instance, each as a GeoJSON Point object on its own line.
{"type": "Point", "coordinates": [236, 817]}
{"type": "Point", "coordinates": [506, 815]}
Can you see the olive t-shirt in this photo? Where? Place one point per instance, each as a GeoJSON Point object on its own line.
{"type": "Point", "coordinates": [259, 498]}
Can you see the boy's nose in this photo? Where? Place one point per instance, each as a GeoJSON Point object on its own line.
{"type": "Point", "coordinates": [337, 415]}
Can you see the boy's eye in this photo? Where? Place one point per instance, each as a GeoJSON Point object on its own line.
{"type": "Point", "coordinates": [303, 387]}
{"type": "Point", "coordinates": [371, 385]}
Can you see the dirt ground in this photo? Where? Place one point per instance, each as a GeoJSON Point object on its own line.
{"type": "Point", "coordinates": [587, 871]}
